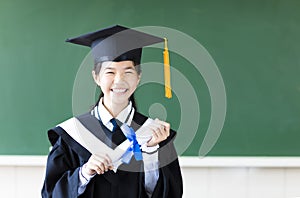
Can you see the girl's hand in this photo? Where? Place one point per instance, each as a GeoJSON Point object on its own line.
{"type": "Point", "coordinates": [160, 132]}
{"type": "Point", "coordinates": [97, 165]}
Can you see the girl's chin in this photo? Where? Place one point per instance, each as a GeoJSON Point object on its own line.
{"type": "Point", "coordinates": [117, 98]}
{"type": "Point", "coordinates": [120, 100]}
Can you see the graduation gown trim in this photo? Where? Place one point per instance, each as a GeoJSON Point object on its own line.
{"type": "Point", "coordinates": [88, 140]}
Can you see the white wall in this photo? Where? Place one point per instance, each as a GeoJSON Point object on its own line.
{"type": "Point", "coordinates": [211, 177]}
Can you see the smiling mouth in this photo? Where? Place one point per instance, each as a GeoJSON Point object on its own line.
{"type": "Point", "coordinates": [119, 90]}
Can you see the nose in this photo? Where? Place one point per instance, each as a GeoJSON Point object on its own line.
{"type": "Point", "coordinates": [119, 77]}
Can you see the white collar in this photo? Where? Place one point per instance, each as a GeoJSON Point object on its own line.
{"type": "Point", "coordinates": [105, 116]}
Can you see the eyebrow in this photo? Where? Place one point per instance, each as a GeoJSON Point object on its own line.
{"type": "Point", "coordinates": [129, 67]}
{"type": "Point", "coordinates": [126, 68]}
{"type": "Point", "coordinates": [114, 68]}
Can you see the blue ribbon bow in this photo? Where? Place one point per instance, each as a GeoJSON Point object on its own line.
{"type": "Point", "coordinates": [134, 148]}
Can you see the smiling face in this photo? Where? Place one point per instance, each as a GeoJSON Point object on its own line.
{"type": "Point", "coordinates": [118, 81]}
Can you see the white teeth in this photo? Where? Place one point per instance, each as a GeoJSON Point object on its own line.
{"type": "Point", "coordinates": [119, 90]}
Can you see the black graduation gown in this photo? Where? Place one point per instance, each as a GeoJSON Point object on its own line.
{"type": "Point", "coordinates": [67, 156]}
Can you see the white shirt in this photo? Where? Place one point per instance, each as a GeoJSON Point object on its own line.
{"type": "Point", "coordinates": [150, 160]}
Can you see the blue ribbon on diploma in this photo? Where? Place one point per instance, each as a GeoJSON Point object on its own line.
{"type": "Point", "coordinates": [134, 149]}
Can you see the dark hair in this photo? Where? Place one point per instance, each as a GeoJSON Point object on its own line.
{"type": "Point", "coordinates": [97, 68]}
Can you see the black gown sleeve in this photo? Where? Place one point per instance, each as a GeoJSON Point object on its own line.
{"type": "Point", "coordinates": [62, 172]}
{"type": "Point", "coordinates": [169, 184]}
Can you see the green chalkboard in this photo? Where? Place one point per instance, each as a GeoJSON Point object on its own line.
{"type": "Point", "coordinates": [235, 68]}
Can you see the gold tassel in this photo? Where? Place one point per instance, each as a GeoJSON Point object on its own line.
{"type": "Point", "coordinates": [167, 74]}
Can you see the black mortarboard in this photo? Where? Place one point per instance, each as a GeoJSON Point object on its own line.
{"type": "Point", "coordinates": [118, 43]}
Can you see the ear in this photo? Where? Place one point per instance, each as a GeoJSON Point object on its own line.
{"type": "Point", "coordinates": [139, 78]}
{"type": "Point", "coordinates": [96, 78]}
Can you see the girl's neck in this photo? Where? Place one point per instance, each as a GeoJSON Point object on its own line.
{"type": "Point", "coordinates": [114, 109]}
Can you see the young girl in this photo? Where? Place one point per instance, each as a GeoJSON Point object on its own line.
{"type": "Point", "coordinates": [113, 151]}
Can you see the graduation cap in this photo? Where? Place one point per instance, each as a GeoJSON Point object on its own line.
{"type": "Point", "coordinates": [118, 43]}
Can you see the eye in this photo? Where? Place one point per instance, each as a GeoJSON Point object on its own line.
{"type": "Point", "coordinates": [129, 71]}
{"type": "Point", "coordinates": [109, 72]}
